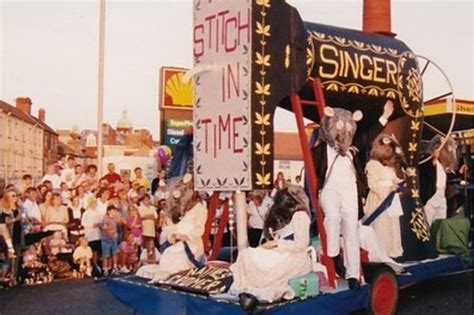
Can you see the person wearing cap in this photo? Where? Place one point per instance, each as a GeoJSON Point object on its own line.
{"type": "Point", "coordinates": [161, 192]}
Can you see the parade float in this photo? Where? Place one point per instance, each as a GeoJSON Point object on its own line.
{"type": "Point", "coordinates": [251, 57]}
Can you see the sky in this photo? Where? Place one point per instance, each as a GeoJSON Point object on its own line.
{"type": "Point", "coordinates": [49, 49]}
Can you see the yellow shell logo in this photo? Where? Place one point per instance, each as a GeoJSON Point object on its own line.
{"type": "Point", "coordinates": [180, 92]}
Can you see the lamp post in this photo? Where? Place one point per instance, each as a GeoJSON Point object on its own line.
{"type": "Point", "coordinates": [100, 94]}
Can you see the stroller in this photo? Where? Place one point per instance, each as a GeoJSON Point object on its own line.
{"type": "Point", "coordinates": [35, 271]}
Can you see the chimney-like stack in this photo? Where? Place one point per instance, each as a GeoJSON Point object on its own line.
{"type": "Point", "coordinates": [42, 114]}
{"type": "Point", "coordinates": [377, 17]}
{"type": "Point", "coordinates": [24, 104]}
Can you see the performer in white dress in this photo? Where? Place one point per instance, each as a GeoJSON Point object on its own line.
{"type": "Point", "coordinates": [264, 271]}
{"type": "Point", "coordinates": [386, 161]}
{"type": "Point", "coordinates": [183, 237]}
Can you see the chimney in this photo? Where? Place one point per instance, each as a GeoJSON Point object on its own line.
{"type": "Point", "coordinates": [42, 114]}
{"type": "Point", "coordinates": [24, 104]}
{"type": "Point", "coordinates": [377, 17]}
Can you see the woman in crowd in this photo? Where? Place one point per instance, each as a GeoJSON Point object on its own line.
{"type": "Point", "coordinates": [257, 210]}
{"type": "Point", "coordinates": [13, 222]}
{"type": "Point", "coordinates": [75, 212]}
{"type": "Point", "coordinates": [47, 198]}
{"type": "Point", "coordinates": [91, 221]}
{"type": "Point", "coordinates": [56, 216]}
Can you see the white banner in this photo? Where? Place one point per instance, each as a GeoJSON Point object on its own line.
{"type": "Point", "coordinates": [222, 111]}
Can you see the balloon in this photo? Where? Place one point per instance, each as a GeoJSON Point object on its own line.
{"type": "Point", "coordinates": [163, 154]}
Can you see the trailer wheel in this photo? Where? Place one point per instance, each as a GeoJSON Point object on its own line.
{"type": "Point", "coordinates": [383, 291]}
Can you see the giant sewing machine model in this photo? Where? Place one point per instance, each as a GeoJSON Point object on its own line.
{"type": "Point", "coordinates": [252, 56]}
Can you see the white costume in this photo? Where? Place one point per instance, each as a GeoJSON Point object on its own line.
{"type": "Point", "coordinates": [436, 207]}
{"type": "Point", "coordinates": [380, 179]}
{"type": "Point", "coordinates": [174, 258]}
{"type": "Point", "coordinates": [265, 272]}
{"type": "Point", "coordinates": [340, 205]}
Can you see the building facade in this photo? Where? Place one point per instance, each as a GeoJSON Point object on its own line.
{"type": "Point", "coordinates": [22, 142]}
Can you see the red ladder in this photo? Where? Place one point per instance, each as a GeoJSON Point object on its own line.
{"type": "Point", "coordinates": [297, 105]}
{"type": "Point", "coordinates": [214, 203]}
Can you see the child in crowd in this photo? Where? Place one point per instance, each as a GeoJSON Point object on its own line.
{"type": "Point", "coordinates": [58, 244]}
{"type": "Point", "coordinates": [65, 194]}
{"type": "Point", "coordinates": [35, 272]}
{"type": "Point", "coordinates": [109, 241]}
{"type": "Point", "coordinates": [82, 256]}
{"type": "Point", "coordinates": [149, 260]}
{"type": "Point", "coordinates": [128, 254]}
{"type": "Point", "coordinates": [149, 216]}
{"type": "Point", "coordinates": [134, 224]}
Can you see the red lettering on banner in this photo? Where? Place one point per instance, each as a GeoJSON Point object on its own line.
{"type": "Point", "coordinates": [230, 81]}
{"type": "Point", "coordinates": [198, 41]}
{"type": "Point", "coordinates": [223, 136]}
{"type": "Point", "coordinates": [236, 135]}
{"type": "Point", "coordinates": [206, 134]}
{"type": "Point", "coordinates": [224, 30]}
{"type": "Point", "coordinates": [223, 127]}
{"type": "Point", "coordinates": [244, 27]}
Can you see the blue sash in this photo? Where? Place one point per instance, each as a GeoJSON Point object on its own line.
{"type": "Point", "coordinates": [386, 203]}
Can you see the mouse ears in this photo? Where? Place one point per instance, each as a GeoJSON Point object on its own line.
{"type": "Point", "coordinates": [357, 115]}
{"type": "Point", "coordinates": [328, 111]}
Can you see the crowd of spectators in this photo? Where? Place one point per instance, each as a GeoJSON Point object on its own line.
{"type": "Point", "coordinates": [74, 224]}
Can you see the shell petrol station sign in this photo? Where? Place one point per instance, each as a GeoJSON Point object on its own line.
{"type": "Point", "coordinates": [175, 103]}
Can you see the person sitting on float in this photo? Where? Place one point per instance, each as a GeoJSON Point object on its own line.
{"type": "Point", "coordinates": [183, 246]}
{"type": "Point", "coordinates": [264, 271]}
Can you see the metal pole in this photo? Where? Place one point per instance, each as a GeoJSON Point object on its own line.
{"type": "Point", "coordinates": [100, 94]}
{"type": "Point", "coordinates": [240, 209]}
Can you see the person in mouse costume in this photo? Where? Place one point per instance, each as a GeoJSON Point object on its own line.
{"type": "Point", "coordinates": [342, 183]}
{"type": "Point", "coordinates": [385, 173]}
{"type": "Point", "coordinates": [434, 175]}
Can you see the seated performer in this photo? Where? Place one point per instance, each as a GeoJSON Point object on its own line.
{"type": "Point", "coordinates": [183, 246]}
{"type": "Point", "coordinates": [384, 170]}
{"type": "Point", "coordinates": [342, 183]}
{"type": "Point", "coordinates": [264, 271]}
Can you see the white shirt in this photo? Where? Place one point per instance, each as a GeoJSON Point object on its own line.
{"type": "Point", "coordinates": [257, 214]}
{"type": "Point", "coordinates": [54, 179]}
{"type": "Point", "coordinates": [341, 177]}
{"type": "Point", "coordinates": [67, 176]}
{"type": "Point", "coordinates": [101, 207]}
{"type": "Point", "coordinates": [81, 252]}
{"type": "Point", "coordinates": [32, 209]}
{"type": "Point", "coordinates": [89, 218]}
{"type": "Point", "coordinates": [441, 178]}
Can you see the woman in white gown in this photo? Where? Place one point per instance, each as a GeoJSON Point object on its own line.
{"type": "Point", "coordinates": [182, 235]}
{"type": "Point", "coordinates": [386, 161]}
{"type": "Point", "coordinates": [265, 271]}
